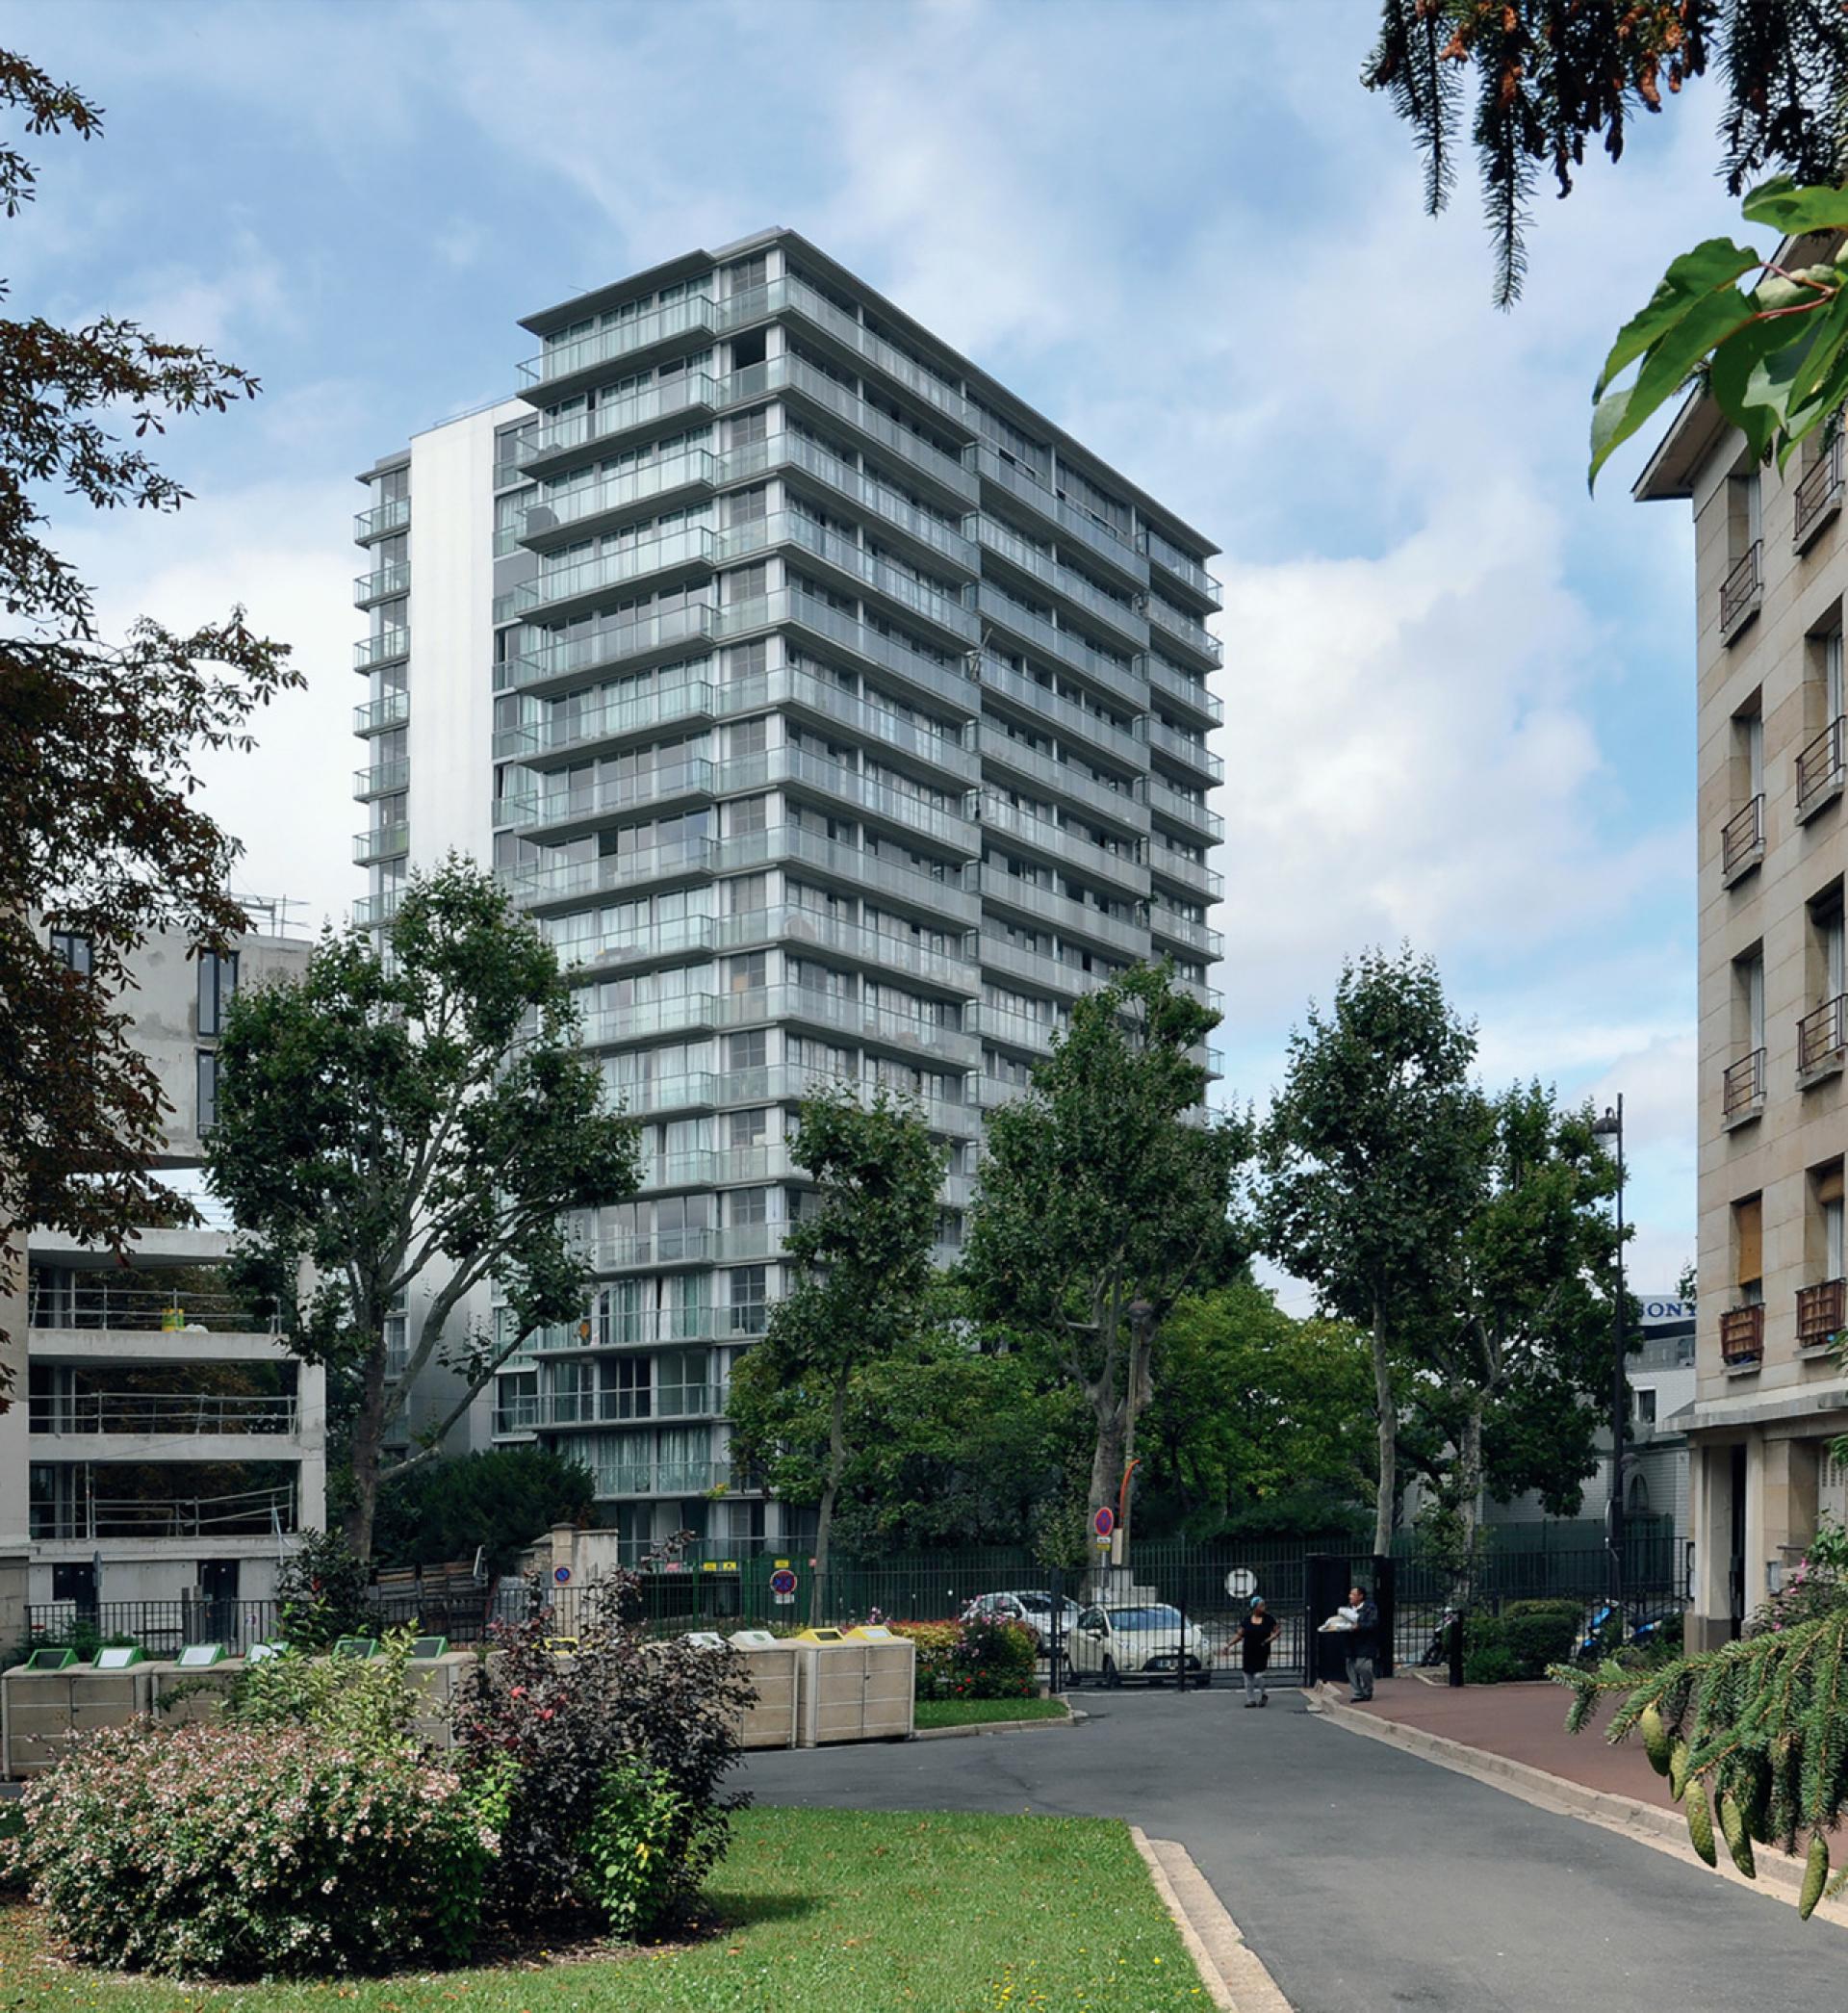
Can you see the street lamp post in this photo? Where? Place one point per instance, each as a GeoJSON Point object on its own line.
{"type": "Point", "coordinates": [1608, 1132]}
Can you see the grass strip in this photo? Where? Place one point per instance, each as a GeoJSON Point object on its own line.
{"type": "Point", "coordinates": [980, 1712]}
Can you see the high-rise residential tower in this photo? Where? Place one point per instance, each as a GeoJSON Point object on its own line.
{"type": "Point", "coordinates": [836, 717]}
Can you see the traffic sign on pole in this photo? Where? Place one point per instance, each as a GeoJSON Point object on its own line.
{"type": "Point", "coordinates": [1104, 1522]}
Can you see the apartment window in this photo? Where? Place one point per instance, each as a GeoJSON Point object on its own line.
{"type": "Point", "coordinates": [747, 428]}
{"type": "Point", "coordinates": [1743, 587]}
{"type": "Point", "coordinates": [748, 972]}
{"type": "Point", "coordinates": [747, 506]}
{"type": "Point", "coordinates": [75, 950]}
{"type": "Point", "coordinates": [750, 1129]}
{"type": "Point", "coordinates": [1743, 1086]}
{"type": "Point", "coordinates": [207, 1061]}
{"type": "Point", "coordinates": [747, 738]}
{"type": "Point", "coordinates": [747, 892]}
{"type": "Point", "coordinates": [746, 814]}
{"type": "Point", "coordinates": [1748, 1249]}
{"type": "Point", "coordinates": [748, 1206]}
{"type": "Point", "coordinates": [1742, 837]}
{"type": "Point", "coordinates": [1824, 759]}
{"type": "Point", "coordinates": [1645, 1406]}
{"type": "Point", "coordinates": [745, 583]}
{"type": "Point", "coordinates": [746, 1051]}
{"type": "Point", "coordinates": [1822, 1034]}
{"type": "Point", "coordinates": [749, 1299]}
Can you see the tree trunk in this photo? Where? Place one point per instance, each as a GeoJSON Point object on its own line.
{"type": "Point", "coordinates": [369, 1433]}
{"type": "Point", "coordinates": [1388, 1410]}
{"type": "Point", "coordinates": [831, 1492]}
{"type": "Point", "coordinates": [1469, 1495]}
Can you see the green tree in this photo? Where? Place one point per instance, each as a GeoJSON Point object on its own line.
{"type": "Point", "coordinates": [1261, 1422]}
{"type": "Point", "coordinates": [499, 1500]}
{"type": "Point", "coordinates": [1369, 1163]}
{"type": "Point", "coordinates": [861, 1292]}
{"type": "Point", "coordinates": [1105, 1196]}
{"type": "Point", "coordinates": [418, 1119]}
{"type": "Point", "coordinates": [1551, 74]}
{"type": "Point", "coordinates": [1513, 1368]}
{"type": "Point", "coordinates": [98, 742]}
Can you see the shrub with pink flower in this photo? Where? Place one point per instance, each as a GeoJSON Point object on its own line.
{"type": "Point", "coordinates": [245, 1852]}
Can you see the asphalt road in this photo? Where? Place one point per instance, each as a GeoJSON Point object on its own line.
{"type": "Point", "coordinates": [1366, 1878]}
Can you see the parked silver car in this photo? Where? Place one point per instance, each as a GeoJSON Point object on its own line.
{"type": "Point", "coordinates": [1151, 1640]}
{"type": "Point", "coordinates": [1033, 1608]}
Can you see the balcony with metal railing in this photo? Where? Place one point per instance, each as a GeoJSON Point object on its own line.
{"type": "Point", "coordinates": [1180, 567]}
{"type": "Point", "coordinates": [558, 517]}
{"type": "Point", "coordinates": [181, 1414]}
{"type": "Point", "coordinates": [563, 590]}
{"type": "Point", "coordinates": [572, 879]}
{"type": "Point", "coordinates": [1169, 927]}
{"type": "Point", "coordinates": [1822, 1313]}
{"type": "Point", "coordinates": [94, 1301]}
{"type": "Point", "coordinates": [1821, 769]}
{"type": "Point", "coordinates": [572, 730]}
{"type": "Point", "coordinates": [1822, 1040]}
{"type": "Point", "coordinates": [382, 778]}
{"type": "Point", "coordinates": [259, 1513]}
{"type": "Point", "coordinates": [1100, 730]}
{"type": "Point", "coordinates": [1818, 494]}
{"type": "Point", "coordinates": [372, 650]}
{"type": "Point", "coordinates": [647, 639]}
{"type": "Point", "coordinates": [1045, 774]}
{"type": "Point", "coordinates": [926, 461]}
{"type": "Point", "coordinates": [1001, 890]}
{"type": "Point", "coordinates": [1063, 848]}
{"type": "Point", "coordinates": [1179, 809]}
{"type": "Point", "coordinates": [1742, 841]}
{"type": "Point", "coordinates": [556, 369]}
{"type": "Point", "coordinates": [382, 843]}
{"type": "Point", "coordinates": [370, 912]}
{"type": "Point", "coordinates": [1742, 591]}
{"type": "Point", "coordinates": [1742, 1089]}
{"type": "Point", "coordinates": [1194, 875]}
{"type": "Point", "coordinates": [390, 709]}
{"type": "Point", "coordinates": [1189, 693]}
{"type": "Point", "coordinates": [1742, 1337]}
{"type": "Point", "coordinates": [1098, 539]}
{"type": "Point", "coordinates": [1184, 749]}
{"type": "Point", "coordinates": [854, 564]}
{"type": "Point", "coordinates": [1114, 672]}
{"type": "Point", "coordinates": [382, 584]}
{"type": "Point", "coordinates": [381, 519]}
{"type": "Point", "coordinates": [894, 512]}
{"type": "Point", "coordinates": [1041, 566]}
{"type": "Point", "coordinates": [1180, 627]}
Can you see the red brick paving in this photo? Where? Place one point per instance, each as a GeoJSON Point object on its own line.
{"type": "Point", "coordinates": [1525, 1724]}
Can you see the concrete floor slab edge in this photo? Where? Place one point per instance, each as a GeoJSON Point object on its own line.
{"type": "Point", "coordinates": [1231, 1970]}
{"type": "Point", "coordinates": [1781, 1878]}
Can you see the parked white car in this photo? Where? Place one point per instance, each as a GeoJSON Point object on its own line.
{"type": "Point", "coordinates": [1152, 1640]}
{"type": "Point", "coordinates": [1032, 1608]}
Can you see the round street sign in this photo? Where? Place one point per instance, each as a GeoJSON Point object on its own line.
{"type": "Point", "coordinates": [1104, 1522]}
{"type": "Point", "coordinates": [1241, 1582]}
{"type": "Point", "coordinates": [782, 1580]}
{"type": "Point", "coordinates": [562, 1574]}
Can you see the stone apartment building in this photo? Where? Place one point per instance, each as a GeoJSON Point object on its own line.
{"type": "Point", "coordinates": [1771, 570]}
{"type": "Point", "coordinates": [158, 1447]}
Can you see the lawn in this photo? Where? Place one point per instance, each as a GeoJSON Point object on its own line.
{"type": "Point", "coordinates": [846, 1911]}
{"type": "Point", "coordinates": [978, 1712]}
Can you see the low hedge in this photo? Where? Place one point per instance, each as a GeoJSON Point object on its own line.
{"type": "Point", "coordinates": [1518, 1645]}
{"type": "Point", "coordinates": [982, 1657]}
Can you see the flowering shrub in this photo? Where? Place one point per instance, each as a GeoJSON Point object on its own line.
{"type": "Point", "coordinates": [239, 1853]}
{"type": "Point", "coordinates": [977, 1658]}
{"type": "Point", "coordinates": [563, 1734]}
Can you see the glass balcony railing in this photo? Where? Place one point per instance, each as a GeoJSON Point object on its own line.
{"type": "Point", "coordinates": [390, 710]}
{"type": "Point", "coordinates": [1032, 559]}
{"type": "Point", "coordinates": [382, 778]}
{"type": "Point", "coordinates": [696, 547]}
{"type": "Point", "coordinates": [382, 584]}
{"type": "Point", "coordinates": [795, 451]}
{"type": "Point", "coordinates": [381, 519]}
{"type": "Point", "coordinates": [1115, 735]}
{"type": "Point", "coordinates": [600, 649]}
{"type": "Point", "coordinates": [946, 470]}
{"type": "Point", "coordinates": [532, 809]}
{"type": "Point", "coordinates": [789, 294]}
{"type": "Point", "coordinates": [382, 648]}
{"type": "Point", "coordinates": [1170, 559]}
{"type": "Point", "coordinates": [563, 508]}
{"type": "Point", "coordinates": [1182, 629]}
{"type": "Point", "coordinates": [1183, 748]}
{"type": "Point", "coordinates": [1182, 810]}
{"type": "Point", "coordinates": [382, 843]}
{"type": "Point", "coordinates": [562, 728]}
{"type": "Point", "coordinates": [1001, 890]}
{"type": "Point", "coordinates": [944, 897]}
{"type": "Point", "coordinates": [1116, 674]}
{"type": "Point", "coordinates": [693, 314]}
{"type": "Point", "coordinates": [671, 398]}
{"type": "Point", "coordinates": [1169, 927]}
{"type": "Point", "coordinates": [572, 879]}
{"type": "Point", "coordinates": [1182, 866]}
{"type": "Point", "coordinates": [1188, 692]}
{"type": "Point", "coordinates": [1063, 846]}
{"type": "Point", "coordinates": [1103, 543]}
{"type": "Point", "coordinates": [1064, 780]}
{"type": "Point", "coordinates": [861, 566]}
{"type": "Point", "coordinates": [371, 911]}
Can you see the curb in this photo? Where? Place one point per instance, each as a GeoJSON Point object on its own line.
{"type": "Point", "coordinates": [994, 1726]}
{"type": "Point", "coordinates": [1232, 1973]}
{"type": "Point", "coordinates": [1780, 1876]}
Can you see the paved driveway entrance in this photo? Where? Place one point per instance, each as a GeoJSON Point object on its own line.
{"type": "Point", "coordinates": [1366, 1878]}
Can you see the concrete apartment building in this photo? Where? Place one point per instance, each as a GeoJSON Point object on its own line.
{"type": "Point", "coordinates": [834, 713]}
{"type": "Point", "coordinates": [1771, 567]}
{"type": "Point", "coordinates": [158, 1448]}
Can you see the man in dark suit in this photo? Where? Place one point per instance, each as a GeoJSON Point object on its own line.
{"type": "Point", "coordinates": [1362, 1645]}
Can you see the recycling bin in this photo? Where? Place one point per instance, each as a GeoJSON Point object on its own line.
{"type": "Point", "coordinates": [191, 1690]}
{"type": "Point", "coordinates": [770, 1664]}
{"type": "Point", "coordinates": [853, 1685]}
{"type": "Point", "coordinates": [434, 1675]}
{"type": "Point", "coordinates": [51, 1697]}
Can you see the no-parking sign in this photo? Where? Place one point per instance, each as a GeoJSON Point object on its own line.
{"type": "Point", "coordinates": [1104, 1522]}
{"type": "Point", "coordinates": [783, 1586]}
{"type": "Point", "coordinates": [562, 1574]}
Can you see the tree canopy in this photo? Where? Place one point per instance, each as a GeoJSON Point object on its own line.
{"type": "Point", "coordinates": [422, 1119]}
{"type": "Point", "coordinates": [98, 742]}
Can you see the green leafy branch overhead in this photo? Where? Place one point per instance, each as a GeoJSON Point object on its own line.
{"type": "Point", "coordinates": [1774, 358]}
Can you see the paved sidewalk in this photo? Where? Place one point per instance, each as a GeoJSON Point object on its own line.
{"type": "Point", "coordinates": [1524, 1723]}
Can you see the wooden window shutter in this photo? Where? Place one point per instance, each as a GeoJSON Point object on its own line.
{"type": "Point", "coordinates": [1828, 1184]}
{"type": "Point", "coordinates": [1748, 1223]}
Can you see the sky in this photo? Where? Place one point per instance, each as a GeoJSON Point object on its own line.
{"type": "Point", "coordinates": [1459, 693]}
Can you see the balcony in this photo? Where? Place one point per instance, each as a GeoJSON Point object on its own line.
{"type": "Point", "coordinates": [1063, 848]}
{"type": "Point", "coordinates": [1099, 540]}
{"type": "Point", "coordinates": [390, 710]}
{"type": "Point", "coordinates": [560, 730]}
{"type": "Point", "coordinates": [1821, 770]}
{"type": "Point", "coordinates": [586, 805]}
{"type": "Point", "coordinates": [884, 1027]}
{"type": "Point", "coordinates": [1069, 916]}
{"type": "Point", "coordinates": [1186, 750]}
{"type": "Point", "coordinates": [1180, 566]}
{"type": "Point", "coordinates": [372, 650]}
{"type": "Point", "coordinates": [683, 323]}
{"type": "Point", "coordinates": [370, 912]}
{"type": "Point", "coordinates": [1742, 1337]}
{"type": "Point", "coordinates": [1041, 566]}
{"type": "Point", "coordinates": [1822, 1040]}
{"type": "Point", "coordinates": [259, 1512]}
{"type": "Point", "coordinates": [382, 585]}
{"type": "Point", "coordinates": [942, 747]}
{"type": "Point", "coordinates": [569, 880]}
{"type": "Point", "coordinates": [382, 843]}
{"type": "Point", "coordinates": [1742, 1090]}
{"type": "Point", "coordinates": [1187, 692]}
{"type": "Point", "coordinates": [381, 519]}
{"type": "Point", "coordinates": [663, 404]}
{"type": "Point", "coordinates": [94, 1301]}
{"type": "Point", "coordinates": [943, 898]}
{"type": "Point", "coordinates": [1191, 874]}
{"type": "Point", "coordinates": [880, 951]}
{"type": "Point", "coordinates": [862, 344]}
{"type": "Point", "coordinates": [1180, 627]}
{"type": "Point", "coordinates": [1182, 810]}
{"type": "Point", "coordinates": [921, 457]}
{"type": "Point", "coordinates": [1171, 927]}
{"type": "Point", "coordinates": [945, 675]}
{"type": "Point", "coordinates": [1113, 672]}
{"type": "Point", "coordinates": [1064, 780]}
{"type": "Point", "coordinates": [1822, 1313]}
{"type": "Point", "coordinates": [695, 1091]}
{"type": "Point", "coordinates": [1818, 494]}
{"type": "Point", "coordinates": [143, 1412]}
{"type": "Point", "coordinates": [1742, 842]}
{"type": "Point", "coordinates": [382, 778]}
{"type": "Point", "coordinates": [854, 564]}
{"type": "Point", "coordinates": [649, 638]}
{"type": "Point", "coordinates": [929, 533]}
{"type": "Point", "coordinates": [558, 518]}
{"type": "Point", "coordinates": [564, 590]}
{"type": "Point", "coordinates": [1045, 706]}
{"type": "Point", "coordinates": [1742, 591]}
